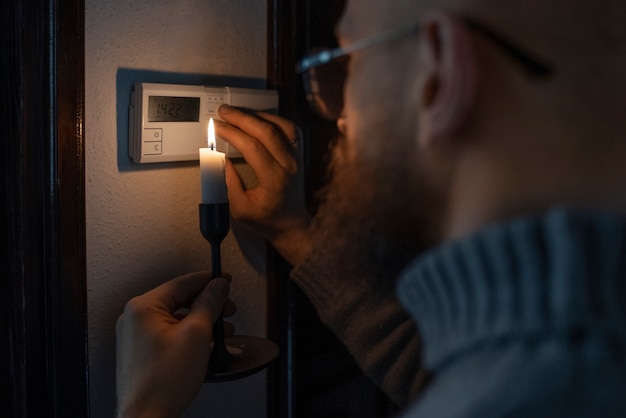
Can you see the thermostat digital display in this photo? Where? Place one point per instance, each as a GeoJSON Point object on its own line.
{"type": "Point", "coordinates": [173, 109]}
{"type": "Point", "coordinates": [168, 122]}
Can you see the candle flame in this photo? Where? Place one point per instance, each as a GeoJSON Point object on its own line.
{"type": "Point", "coordinates": [211, 134]}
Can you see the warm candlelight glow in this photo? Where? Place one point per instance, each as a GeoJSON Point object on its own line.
{"type": "Point", "coordinates": [211, 134]}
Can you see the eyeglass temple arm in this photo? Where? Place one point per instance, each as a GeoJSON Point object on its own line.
{"type": "Point", "coordinates": [534, 66]}
{"type": "Point", "coordinates": [328, 55]}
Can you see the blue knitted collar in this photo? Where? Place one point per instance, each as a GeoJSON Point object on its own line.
{"type": "Point", "coordinates": [558, 273]}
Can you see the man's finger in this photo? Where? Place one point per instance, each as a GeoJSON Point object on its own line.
{"type": "Point", "coordinates": [260, 136]}
{"type": "Point", "coordinates": [252, 150]}
{"type": "Point", "coordinates": [287, 126]}
{"type": "Point", "coordinates": [236, 191]}
{"type": "Point", "coordinates": [210, 301]}
{"type": "Point", "coordinates": [178, 292]}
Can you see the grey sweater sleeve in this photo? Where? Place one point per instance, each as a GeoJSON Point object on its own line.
{"type": "Point", "coordinates": [376, 330]}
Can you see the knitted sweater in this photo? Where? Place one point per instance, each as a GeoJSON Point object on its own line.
{"type": "Point", "coordinates": [377, 331]}
{"type": "Point", "coordinates": [525, 318]}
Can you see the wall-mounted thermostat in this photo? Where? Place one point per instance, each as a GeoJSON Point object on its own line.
{"type": "Point", "coordinates": [168, 122]}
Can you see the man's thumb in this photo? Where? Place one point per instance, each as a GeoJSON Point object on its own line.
{"type": "Point", "coordinates": [210, 301]}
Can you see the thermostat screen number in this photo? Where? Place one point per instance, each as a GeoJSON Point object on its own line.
{"type": "Point", "coordinates": [173, 109]}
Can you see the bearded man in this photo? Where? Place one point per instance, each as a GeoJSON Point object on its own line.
{"type": "Point", "coordinates": [483, 166]}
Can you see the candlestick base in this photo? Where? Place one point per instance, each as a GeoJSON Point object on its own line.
{"type": "Point", "coordinates": [249, 355]}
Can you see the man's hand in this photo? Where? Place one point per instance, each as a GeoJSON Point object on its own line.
{"type": "Point", "coordinates": [162, 351]}
{"type": "Point", "coordinates": [275, 208]}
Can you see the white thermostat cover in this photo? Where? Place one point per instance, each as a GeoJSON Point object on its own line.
{"type": "Point", "coordinates": [168, 122]}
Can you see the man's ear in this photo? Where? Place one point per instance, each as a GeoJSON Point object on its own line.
{"type": "Point", "coordinates": [449, 84]}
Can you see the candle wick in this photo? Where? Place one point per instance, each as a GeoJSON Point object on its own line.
{"type": "Point", "coordinates": [212, 147]}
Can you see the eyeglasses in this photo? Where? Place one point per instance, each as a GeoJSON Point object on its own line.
{"type": "Point", "coordinates": [324, 69]}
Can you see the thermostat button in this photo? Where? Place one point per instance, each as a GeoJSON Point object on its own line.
{"type": "Point", "coordinates": [211, 111]}
{"type": "Point", "coordinates": [152, 148]}
{"type": "Point", "coordinates": [153, 134]}
{"type": "Point", "coordinates": [153, 144]}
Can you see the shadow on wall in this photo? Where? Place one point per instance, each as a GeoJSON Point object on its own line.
{"type": "Point", "coordinates": [126, 79]}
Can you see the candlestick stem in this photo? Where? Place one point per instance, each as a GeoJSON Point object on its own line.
{"type": "Point", "coordinates": [219, 356]}
{"type": "Point", "coordinates": [214, 225]}
{"type": "Point", "coordinates": [216, 261]}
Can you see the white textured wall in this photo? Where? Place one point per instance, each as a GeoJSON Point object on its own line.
{"type": "Point", "coordinates": [142, 222]}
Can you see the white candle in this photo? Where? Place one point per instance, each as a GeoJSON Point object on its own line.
{"type": "Point", "coordinates": [212, 177]}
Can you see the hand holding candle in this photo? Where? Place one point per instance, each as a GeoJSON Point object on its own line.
{"type": "Point", "coordinates": [212, 176]}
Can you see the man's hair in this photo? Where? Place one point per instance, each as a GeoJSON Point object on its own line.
{"type": "Point", "coordinates": [597, 26]}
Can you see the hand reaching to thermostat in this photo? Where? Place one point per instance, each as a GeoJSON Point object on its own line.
{"type": "Point", "coordinates": [275, 208]}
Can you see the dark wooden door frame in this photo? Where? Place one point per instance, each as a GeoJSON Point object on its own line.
{"type": "Point", "coordinates": [281, 29]}
{"type": "Point", "coordinates": [294, 26]}
{"type": "Point", "coordinates": [43, 309]}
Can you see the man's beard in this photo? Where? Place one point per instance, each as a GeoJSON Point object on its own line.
{"type": "Point", "coordinates": [375, 217]}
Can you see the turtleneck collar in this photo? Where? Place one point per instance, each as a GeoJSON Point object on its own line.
{"type": "Point", "coordinates": [560, 273]}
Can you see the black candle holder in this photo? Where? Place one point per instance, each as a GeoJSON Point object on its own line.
{"type": "Point", "coordinates": [250, 354]}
